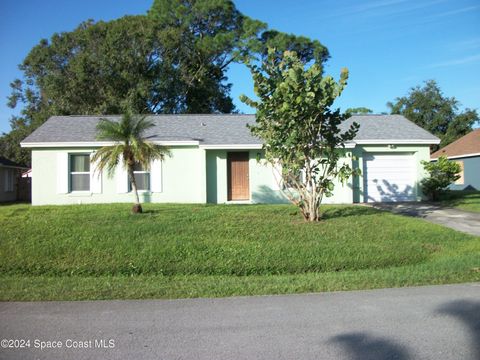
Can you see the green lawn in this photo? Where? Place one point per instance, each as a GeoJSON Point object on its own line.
{"type": "Point", "coordinates": [103, 251]}
{"type": "Point", "coordinates": [465, 200]}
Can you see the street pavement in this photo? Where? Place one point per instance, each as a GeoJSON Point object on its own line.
{"type": "Point", "coordinates": [432, 322]}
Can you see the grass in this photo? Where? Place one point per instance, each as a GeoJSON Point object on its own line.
{"type": "Point", "coordinates": [171, 251]}
{"type": "Point", "coordinates": [465, 200]}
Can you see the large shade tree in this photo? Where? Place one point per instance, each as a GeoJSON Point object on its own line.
{"type": "Point", "coordinates": [212, 34]}
{"type": "Point", "coordinates": [98, 68]}
{"type": "Point", "coordinates": [130, 148]}
{"type": "Point", "coordinates": [172, 60]}
{"type": "Point", "coordinates": [300, 130]}
{"type": "Point", "coordinates": [429, 108]}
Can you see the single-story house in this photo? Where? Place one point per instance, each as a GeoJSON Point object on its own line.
{"type": "Point", "coordinates": [215, 159]}
{"type": "Point", "coordinates": [466, 152]}
{"type": "Point", "coordinates": [9, 178]}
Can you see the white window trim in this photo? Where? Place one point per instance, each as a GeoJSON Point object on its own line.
{"type": "Point", "coordinates": [70, 173]}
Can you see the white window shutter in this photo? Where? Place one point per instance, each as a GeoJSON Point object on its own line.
{"type": "Point", "coordinates": [121, 178]}
{"type": "Point", "coordinates": [95, 177]}
{"type": "Point", "coordinates": [62, 173]}
{"type": "Point", "coordinates": [156, 176]}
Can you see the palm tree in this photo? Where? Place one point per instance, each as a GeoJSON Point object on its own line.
{"type": "Point", "coordinates": [130, 148]}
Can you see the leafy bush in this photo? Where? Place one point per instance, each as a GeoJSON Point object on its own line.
{"type": "Point", "coordinates": [442, 173]}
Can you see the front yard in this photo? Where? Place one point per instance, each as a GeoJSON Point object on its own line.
{"type": "Point", "coordinates": [171, 251]}
{"type": "Point", "coordinates": [464, 200]}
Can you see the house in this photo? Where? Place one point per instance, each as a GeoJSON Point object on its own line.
{"type": "Point", "coordinates": [466, 152]}
{"type": "Point", "coordinates": [215, 159]}
{"type": "Point", "coordinates": [9, 179]}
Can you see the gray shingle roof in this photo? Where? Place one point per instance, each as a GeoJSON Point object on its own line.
{"type": "Point", "coordinates": [388, 127]}
{"type": "Point", "coordinates": [218, 129]}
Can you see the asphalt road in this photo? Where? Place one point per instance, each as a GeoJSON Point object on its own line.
{"type": "Point", "coordinates": [434, 322]}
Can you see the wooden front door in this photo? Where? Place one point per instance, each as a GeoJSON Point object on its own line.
{"type": "Point", "coordinates": [237, 174]}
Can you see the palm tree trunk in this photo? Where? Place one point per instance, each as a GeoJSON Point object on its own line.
{"type": "Point", "coordinates": [137, 208]}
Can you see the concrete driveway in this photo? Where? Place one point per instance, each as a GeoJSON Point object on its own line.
{"type": "Point", "coordinates": [434, 322]}
{"type": "Point", "coordinates": [460, 220]}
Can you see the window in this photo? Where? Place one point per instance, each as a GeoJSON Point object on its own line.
{"type": "Point", "coordinates": [79, 172]}
{"type": "Point", "coordinates": [142, 178]}
{"type": "Point", "coordinates": [461, 179]}
{"type": "Point", "coordinates": [9, 180]}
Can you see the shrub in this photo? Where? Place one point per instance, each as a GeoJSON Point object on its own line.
{"type": "Point", "coordinates": [442, 173]}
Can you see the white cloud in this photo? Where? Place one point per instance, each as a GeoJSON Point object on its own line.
{"type": "Point", "coordinates": [467, 44]}
{"type": "Point", "coordinates": [383, 8]}
{"type": "Point", "coordinates": [454, 62]}
{"type": "Point", "coordinates": [453, 12]}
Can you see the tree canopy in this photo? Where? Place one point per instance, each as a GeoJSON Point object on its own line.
{"type": "Point", "coordinates": [172, 60]}
{"type": "Point", "coordinates": [429, 108]}
{"type": "Point", "coordinates": [441, 174]}
{"type": "Point", "coordinates": [300, 130]}
{"type": "Point", "coordinates": [359, 111]}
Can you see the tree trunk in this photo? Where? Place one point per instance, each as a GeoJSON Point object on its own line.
{"type": "Point", "coordinates": [310, 207]}
{"type": "Point", "coordinates": [137, 208]}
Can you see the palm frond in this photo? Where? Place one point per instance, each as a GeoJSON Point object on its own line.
{"type": "Point", "coordinates": [108, 158]}
{"type": "Point", "coordinates": [109, 130]}
{"type": "Point", "coordinates": [129, 133]}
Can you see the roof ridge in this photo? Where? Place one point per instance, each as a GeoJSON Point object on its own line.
{"type": "Point", "coordinates": [376, 114]}
{"type": "Point", "coordinates": [112, 115]}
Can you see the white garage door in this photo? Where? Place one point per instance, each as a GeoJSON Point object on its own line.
{"type": "Point", "coordinates": [389, 178]}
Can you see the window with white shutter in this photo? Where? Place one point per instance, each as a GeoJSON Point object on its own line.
{"type": "Point", "coordinates": [62, 173]}
{"type": "Point", "coordinates": [121, 177]}
{"type": "Point", "coordinates": [156, 182]}
{"type": "Point", "coordinates": [95, 177]}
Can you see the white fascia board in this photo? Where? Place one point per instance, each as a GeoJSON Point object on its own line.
{"type": "Point", "coordinates": [249, 146]}
{"type": "Point", "coordinates": [459, 156]}
{"type": "Point", "coordinates": [94, 144]}
{"type": "Point", "coordinates": [350, 145]}
{"type": "Point", "coordinates": [397, 141]}
{"type": "Point", "coordinates": [231, 146]}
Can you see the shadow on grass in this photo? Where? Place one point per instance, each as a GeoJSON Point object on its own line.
{"type": "Point", "coordinates": [360, 346]}
{"type": "Point", "coordinates": [456, 198]}
{"type": "Point", "coordinates": [468, 312]}
{"type": "Point", "coordinates": [350, 210]}
{"type": "Point", "coordinates": [11, 203]}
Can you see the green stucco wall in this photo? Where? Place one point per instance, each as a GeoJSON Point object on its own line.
{"type": "Point", "coordinates": [264, 187]}
{"type": "Point", "coordinates": [183, 180]}
{"type": "Point", "coordinates": [194, 175]}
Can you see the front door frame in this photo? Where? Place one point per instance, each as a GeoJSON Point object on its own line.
{"type": "Point", "coordinates": [230, 155]}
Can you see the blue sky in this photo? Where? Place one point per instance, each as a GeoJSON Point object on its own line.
{"type": "Point", "coordinates": [388, 45]}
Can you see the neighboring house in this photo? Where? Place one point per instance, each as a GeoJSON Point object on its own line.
{"type": "Point", "coordinates": [214, 160]}
{"type": "Point", "coordinates": [9, 178]}
{"type": "Point", "coordinates": [466, 152]}
{"type": "Point", "coordinates": [27, 174]}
